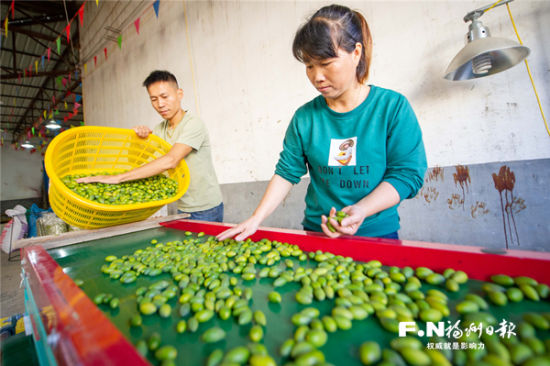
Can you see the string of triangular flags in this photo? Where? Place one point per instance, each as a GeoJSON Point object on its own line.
{"type": "Point", "coordinates": [53, 111]}
{"type": "Point", "coordinates": [156, 7]}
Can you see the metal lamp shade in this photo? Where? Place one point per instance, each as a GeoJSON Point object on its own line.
{"type": "Point", "coordinates": [27, 145]}
{"type": "Point", "coordinates": [485, 56]}
{"type": "Point", "coordinates": [53, 125]}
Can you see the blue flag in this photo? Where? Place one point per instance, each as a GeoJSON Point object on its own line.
{"type": "Point", "coordinates": [156, 6]}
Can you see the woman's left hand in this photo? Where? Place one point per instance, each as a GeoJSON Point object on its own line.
{"type": "Point", "coordinates": [348, 226]}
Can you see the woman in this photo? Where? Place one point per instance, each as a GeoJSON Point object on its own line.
{"type": "Point", "coordinates": [361, 144]}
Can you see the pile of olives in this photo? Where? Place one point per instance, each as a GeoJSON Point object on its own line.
{"type": "Point", "coordinates": [201, 278]}
{"type": "Point", "coordinates": [156, 188]}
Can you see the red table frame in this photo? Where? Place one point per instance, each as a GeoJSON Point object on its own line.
{"type": "Point", "coordinates": [87, 337]}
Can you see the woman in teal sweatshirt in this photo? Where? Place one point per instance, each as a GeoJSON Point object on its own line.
{"type": "Point", "coordinates": [361, 144]}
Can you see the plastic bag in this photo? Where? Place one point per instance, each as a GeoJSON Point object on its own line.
{"type": "Point", "coordinates": [35, 213]}
{"type": "Point", "coordinates": [50, 224]}
{"type": "Point", "coordinates": [16, 228]}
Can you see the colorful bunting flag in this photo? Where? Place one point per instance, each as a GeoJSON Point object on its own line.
{"type": "Point", "coordinates": [44, 114]}
{"type": "Point", "coordinates": [64, 81]}
{"type": "Point", "coordinates": [136, 23]}
{"type": "Point", "coordinates": [96, 2]}
{"type": "Point", "coordinates": [6, 27]}
{"type": "Point", "coordinates": [81, 14]}
{"type": "Point", "coordinates": [85, 68]}
{"type": "Point", "coordinates": [58, 42]}
{"type": "Point", "coordinates": [36, 67]}
{"type": "Point", "coordinates": [68, 31]}
{"type": "Point", "coordinates": [56, 112]}
{"type": "Point", "coordinates": [119, 41]}
{"type": "Point", "coordinates": [12, 8]}
{"type": "Point", "coordinates": [77, 98]}
{"type": "Point", "coordinates": [58, 79]}
{"type": "Point", "coordinates": [66, 107]}
{"type": "Point", "coordinates": [42, 62]}
{"type": "Point", "coordinates": [105, 52]}
{"type": "Point", "coordinates": [95, 60]}
{"type": "Point", "coordinates": [49, 53]}
{"type": "Point", "coordinates": [53, 99]}
{"type": "Point", "coordinates": [156, 6]}
{"type": "Point", "coordinates": [77, 105]}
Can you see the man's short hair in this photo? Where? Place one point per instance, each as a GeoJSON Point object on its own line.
{"type": "Point", "coordinates": [160, 75]}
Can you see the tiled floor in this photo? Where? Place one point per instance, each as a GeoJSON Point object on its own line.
{"type": "Point", "coordinates": [11, 295]}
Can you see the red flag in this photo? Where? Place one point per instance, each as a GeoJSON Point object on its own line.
{"type": "Point", "coordinates": [136, 23]}
{"type": "Point", "coordinates": [68, 31]}
{"type": "Point", "coordinates": [76, 105]}
{"type": "Point", "coordinates": [105, 51]}
{"type": "Point", "coordinates": [81, 14]}
{"type": "Point", "coordinates": [12, 8]}
{"type": "Point", "coordinates": [53, 99]}
{"type": "Point", "coordinates": [64, 81]}
{"type": "Point", "coordinates": [49, 53]}
{"type": "Point", "coordinates": [95, 60]}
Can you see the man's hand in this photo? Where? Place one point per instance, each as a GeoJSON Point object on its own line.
{"type": "Point", "coordinates": [108, 179]}
{"type": "Point", "coordinates": [243, 230]}
{"type": "Point", "coordinates": [142, 131]}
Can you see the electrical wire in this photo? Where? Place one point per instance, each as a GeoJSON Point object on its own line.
{"type": "Point", "coordinates": [529, 72]}
{"type": "Point", "coordinates": [492, 6]}
{"type": "Point", "coordinates": [71, 43]}
{"type": "Point", "coordinates": [526, 63]}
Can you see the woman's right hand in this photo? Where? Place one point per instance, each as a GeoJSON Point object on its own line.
{"type": "Point", "coordinates": [242, 230]}
{"type": "Point", "coordinates": [142, 131]}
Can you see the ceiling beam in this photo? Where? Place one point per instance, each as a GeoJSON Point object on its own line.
{"type": "Point", "coordinates": [39, 35]}
{"type": "Point", "coordinates": [39, 74]}
{"type": "Point", "coordinates": [36, 20]}
{"type": "Point", "coordinates": [13, 53]}
{"type": "Point", "coordinates": [37, 95]}
{"type": "Point", "coordinates": [18, 96]}
{"type": "Point", "coordinates": [26, 86]}
{"type": "Point", "coordinates": [5, 49]}
{"type": "Point", "coordinates": [43, 24]}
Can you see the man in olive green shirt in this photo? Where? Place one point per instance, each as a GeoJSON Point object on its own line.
{"type": "Point", "coordinates": [189, 139]}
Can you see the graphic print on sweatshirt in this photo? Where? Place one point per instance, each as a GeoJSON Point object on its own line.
{"type": "Point", "coordinates": [342, 152]}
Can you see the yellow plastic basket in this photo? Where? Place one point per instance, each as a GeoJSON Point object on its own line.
{"type": "Point", "coordinates": [89, 149]}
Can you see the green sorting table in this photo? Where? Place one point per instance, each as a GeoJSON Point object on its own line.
{"type": "Point", "coordinates": [61, 308]}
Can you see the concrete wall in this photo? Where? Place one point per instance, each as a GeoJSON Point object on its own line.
{"type": "Point", "coordinates": [234, 62]}
{"type": "Point", "coordinates": [456, 205]}
{"type": "Point", "coordinates": [21, 174]}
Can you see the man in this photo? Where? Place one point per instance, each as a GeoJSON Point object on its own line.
{"type": "Point", "coordinates": [189, 139]}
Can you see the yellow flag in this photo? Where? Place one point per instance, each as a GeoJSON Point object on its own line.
{"type": "Point", "coordinates": [36, 67]}
{"type": "Point", "coordinates": [85, 68]}
{"type": "Point", "coordinates": [44, 114]}
{"type": "Point", "coordinates": [66, 105]}
{"type": "Point", "coordinates": [6, 26]}
{"type": "Point", "coordinates": [96, 2]}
